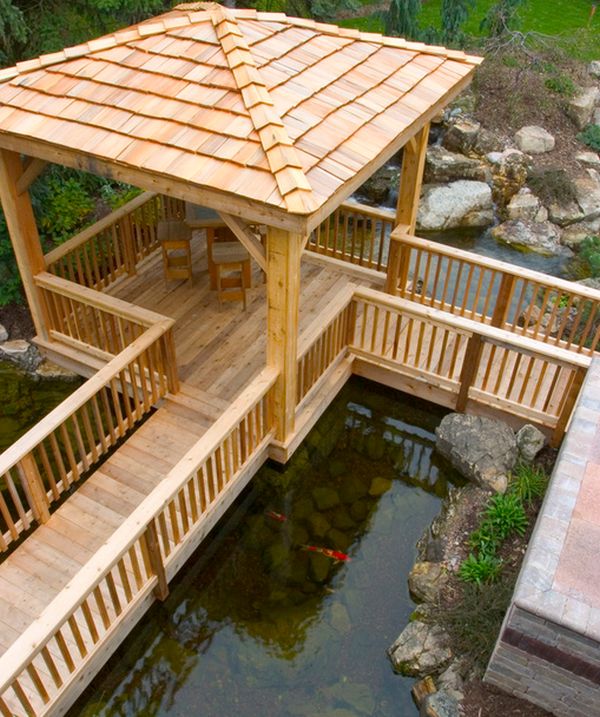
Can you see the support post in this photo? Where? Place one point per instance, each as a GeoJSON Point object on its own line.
{"type": "Point", "coordinates": [411, 179]}
{"type": "Point", "coordinates": [162, 586]}
{"type": "Point", "coordinates": [567, 408]}
{"type": "Point", "coordinates": [23, 234]}
{"type": "Point", "coordinates": [469, 370]}
{"type": "Point", "coordinates": [283, 289]}
{"type": "Point", "coordinates": [32, 483]}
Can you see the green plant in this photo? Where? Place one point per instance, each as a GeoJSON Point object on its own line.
{"type": "Point", "coordinates": [480, 568]}
{"type": "Point", "coordinates": [591, 136]}
{"type": "Point", "coordinates": [454, 15]}
{"type": "Point", "coordinates": [506, 514]}
{"type": "Point", "coordinates": [528, 482]}
{"type": "Point", "coordinates": [401, 18]}
{"type": "Point", "coordinates": [484, 540]}
{"type": "Point", "coordinates": [502, 17]}
{"type": "Point", "coordinates": [589, 254]}
{"type": "Point", "coordinates": [561, 84]}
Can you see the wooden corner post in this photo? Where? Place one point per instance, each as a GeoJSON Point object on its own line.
{"type": "Point", "coordinates": [23, 233]}
{"type": "Point", "coordinates": [283, 288]}
{"type": "Point", "coordinates": [411, 179]}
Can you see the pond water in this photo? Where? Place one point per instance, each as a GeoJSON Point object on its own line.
{"type": "Point", "coordinates": [257, 624]}
{"type": "Point", "coordinates": [26, 400]}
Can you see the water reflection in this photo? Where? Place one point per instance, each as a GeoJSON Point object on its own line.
{"type": "Point", "coordinates": [256, 624]}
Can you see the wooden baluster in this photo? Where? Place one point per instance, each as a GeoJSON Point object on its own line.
{"type": "Point", "coordinates": [156, 561]}
{"type": "Point", "coordinates": [469, 370]}
{"type": "Point", "coordinates": [567, 407]}
{"type": "Point", "coordinates": [32, 482]}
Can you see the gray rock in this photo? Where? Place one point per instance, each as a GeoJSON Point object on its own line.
{"type": "Point", "coordinates": [487, 142]}
{"type": "Point", "coordinates": [440, 704]}
{"type": "Point", "coordinates": [525, 205]}
{"type": "Point", "coordinates": [594, 69]}
{"type": "Point", "coordinates": [355, 695]}
{"type": "Point", "coordinates": [587, 191]}
{"type": "Point", "coordinates": [541, 237]}
{"type": "Point", "coordinates": [530, 442]}
{"type": "Point", "coordinates": [461, 135]}
{"type": "Point", "coordinates": [3, 333]}
{"type": "Point", "coordinates": [421, 649]}
{"type": "Point", "coordinates": [49, 369]}
{"type": "Point", "coordinates": [573, 235]}
{"type": "Point", "coordinates": [379, 486]}
{"type": "Point", "coordinates": [590, 282]}
{"type": "Point", "coordinates": [442, 166]}
{"type": "Point", "coordinates": [451, 679]}
{"type": "Point", "coordinates": [534, 140]}
{"type": "Point", "coordinates": [482, 449]}
{"type": "Point", "coordinates": [509, 173]}
{"type": "Point", "coordinates": [461, 204]}
{"type": "Point", "coordinates": [581, 107]}
{"type": "Point", "coordinates": [425, 581]}
{"type": "Point", "coordinates": [589, 159]}
{"type": "Point", "coordinates": [377, 188]}
{"type": "Point", "coordinates": [21, 353]}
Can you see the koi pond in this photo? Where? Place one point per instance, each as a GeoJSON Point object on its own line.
{"type": "Point", "coordinates": [257, 622]}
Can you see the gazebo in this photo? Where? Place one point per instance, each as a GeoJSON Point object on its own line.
{"type": "Point", "coordinates": [262, 117]}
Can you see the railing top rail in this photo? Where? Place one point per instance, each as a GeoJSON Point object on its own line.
{"type": "Point", "coordinates": [399, 234]}
{"type": "Point", "coordinates": [376, 212]}
{"type": "Point", "coordinates": [24, 445]}
{"type": "Point", "coordinates": [320, 323]}
{"type": "Point", "coordinates": [55, 614]}
{"type": "Point", "coordinates": [53, 256]}
{"type": "Point", "coordinates": [97, 299]}
{"type": "Point", "coordinates": [501, 337]}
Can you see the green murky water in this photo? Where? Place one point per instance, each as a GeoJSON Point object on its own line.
{"type": "Point", "coordinates": [257, 625]}
{"type": "Point", "coordinates": [24, 401]}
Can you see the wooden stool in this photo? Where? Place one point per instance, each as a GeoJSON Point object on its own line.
{"type": "Point", "coordinates": [175, 239]}
{"type": "Point", "coordinates": [231, 263]}
{"type": "Point", "coordinates": [219, 236]}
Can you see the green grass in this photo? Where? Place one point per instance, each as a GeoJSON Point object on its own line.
{"type": "Point", "coordinates": [549, 17]}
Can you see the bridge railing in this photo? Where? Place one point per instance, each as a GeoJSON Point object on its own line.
{"type": "Point", "coordinates": [109, 593]}
{"type": "Point", "coordinates": [355, 233]}
{"type": "Point", "coordinates": [114, 245]}
{"type": "Point", "coordinates": [138, 368]}
{"type": "Point", "coordinates": [530, 303]}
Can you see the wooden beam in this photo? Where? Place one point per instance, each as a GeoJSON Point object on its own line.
{"type": "Point", "coordinates": [411, 179]}
{"type": "Point", "coordinates": [32, 170]}
{"type": "Point", "coordinates": [247, 238]}
{"type": "Point", "coordinates": [283, 288]}
{"type": "Point", "coordinates": [23, 234]}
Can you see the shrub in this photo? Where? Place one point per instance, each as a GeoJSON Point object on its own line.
{"type": "Point", "coordinates": [506, 515]}
{"type": "Point", "coordinates": [561, 85]}
{"type": "Point", "coordinates": [591, 136]}
{"type": "Point", "coordinates": [589, 254]}
{"type": "Point", "coordinates": [528, 483]}
{"type": "Point", "coordinates": [551, 185]}
{"type": "Point", "coordinates": [480, 569]}
{"type": "Point", "coordinates": [484, 540]}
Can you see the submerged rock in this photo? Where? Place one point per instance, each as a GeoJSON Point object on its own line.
{"type": "Point", "coordinates": [421, 649]}
{"type": "Point", "coordinates": [379, 486]}
{"type": "Point", "coordinates": [541, 237]}
{"type": "Point", "coordinates": [482, 449]}
{"type": "Point", "coordinates": [425, 581]}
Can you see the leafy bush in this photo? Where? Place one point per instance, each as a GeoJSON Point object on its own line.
{"type": "Point", "coordinates": [506, 515]}
{"type": "Point", "coordinates": [591, 136]}
{"type": "Point", "coordinates": [528, 483]}
{"type": "Point", "coordinates": [480, 569]}
{"type": "Point", "coordinates": [589, 255]}
{"type": "Point", "coordinates": [484, 540]}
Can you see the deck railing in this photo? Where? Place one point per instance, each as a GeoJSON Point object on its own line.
{"type": "Point", "coordinates": [357, 234]}
{"type": "Point", "coordinates": [543, 307]}
{"type": "Point", "coordinates": [90, 321]}
{"type": "Point", "coordinates": [108, 595]}
{"type": "Point", "coordinates": [116, 244]}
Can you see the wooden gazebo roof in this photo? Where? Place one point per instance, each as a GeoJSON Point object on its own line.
{"type": "Point", "coordinates": [272, 114]}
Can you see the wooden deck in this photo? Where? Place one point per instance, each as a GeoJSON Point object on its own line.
{"type": "Point", "coordinates": [219, 350]}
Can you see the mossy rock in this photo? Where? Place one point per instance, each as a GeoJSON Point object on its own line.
{"type": "Point", "coordinates": [339, 540]}
{"type": "Point", "coordinates": [337, 468]}
{"type": "Point", "coordinates": [375, 446]}
{"type": "Point", "coordinates": [299, 534]}
{"type": "Point", "coordinates": [352, 489]}
{"type": "Point", "coordinates": [318, 525]}
{"type": "Point", "coordinates": [359, 510]}
{"type": "Point", "coordinates": [341, 519]}
{"type": "Point", "coordinates": [277, 555]}
{"type": "Point", "coordinates": [302, 509]}
{"type": "Point", "coordinates": [325, 497]}
{"type": "Point", "coordinates": [379, 486]}
{"type": "Point", "coordinates": [320, 567]}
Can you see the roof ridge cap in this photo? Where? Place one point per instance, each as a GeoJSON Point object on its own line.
{"type": "Point", "coordinates": [281, 154]}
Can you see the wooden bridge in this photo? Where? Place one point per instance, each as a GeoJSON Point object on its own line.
{"type": "Point", "coordinates": [265, 120]}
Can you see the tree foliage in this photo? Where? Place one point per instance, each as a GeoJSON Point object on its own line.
{"type": "Point", "coordinates": [454, 14]}
{"type": "Point", "coordinates": [401, 18]}
{"type": "Point", "coordinates": [502, 17]}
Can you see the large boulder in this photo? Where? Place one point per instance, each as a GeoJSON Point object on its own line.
{"type": "Point", "coordinates": [525, 205]}
{"type": "Point", "coordinates": [461, 204]}
{"type": "Point", "coordinates": [488, 141]}
{"type": "Point", "coordinates": [421, 649]}
{"type": "Point", "coordinates": [509, 173]}
{"type": "Point", "coordinates": [541, 237]}
{"type": "Point", "coordinates": [461, 135]}
{"type": "Point", "coordinates": [584, 207]}
{"type": "Point", "coordinates": [534, 140]}
{"type": "Point", "coordinates": [425, 581]}
{"type": "Point", "coordinates": [442, 166]}
{"type": "Point", "coordinates": [376, 189]}
{"type": "Point", "coordinates": [589, 159]}
{"type": "Point", "coordinates": [581, 107]}
{"type": "Point", "coordinates": [21, 353]}
{"type": "Point", "coordinates": [482, 449]}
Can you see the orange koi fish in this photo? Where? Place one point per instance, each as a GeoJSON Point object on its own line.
{"type": "Point", "coordinates": [333, 554]}
{"type": "Point", "coordinates": [279, 517]}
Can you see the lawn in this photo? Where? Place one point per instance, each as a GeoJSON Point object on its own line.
{"type": "Point", "coordinates": [550, 17]}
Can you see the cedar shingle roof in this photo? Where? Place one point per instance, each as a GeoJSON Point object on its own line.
{"type": "Point", "coordinates": [279, 110]}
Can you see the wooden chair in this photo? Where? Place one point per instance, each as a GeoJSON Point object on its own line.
{"type": "Point", "coordinates": [231, 265]}
{"type": "Point", "coordinates": [175, 239]}
{"type": "Point", "coordinates": [223, 236]}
